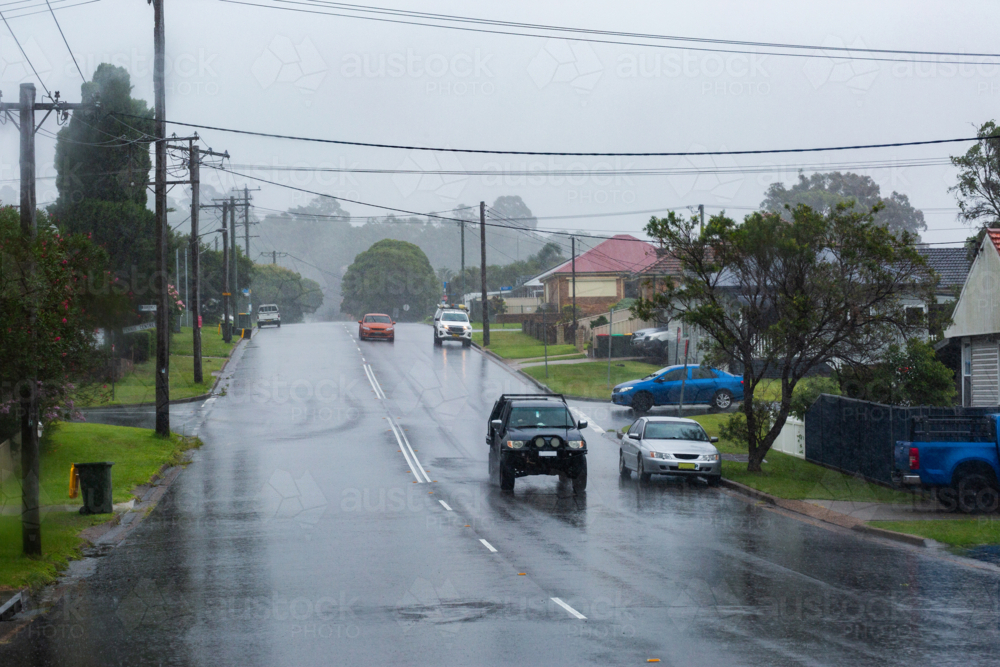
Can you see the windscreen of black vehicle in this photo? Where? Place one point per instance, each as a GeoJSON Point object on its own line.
{"type": "Point", "coordinates": [381, 319]}
{"type": "Point", "coordinates": [557, 417]}
{"type": "Point", "coordinates": [455, 317]}
{"type": "Point", "coordinates": [674, 431]}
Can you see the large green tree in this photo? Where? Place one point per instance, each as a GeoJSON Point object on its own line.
{"type": "Point", "coordinates": [294, 295]}
{"type": "Point", "coordinates": [784, 296]}
{"type": "Point", "coordinates": [391, 277]}
{"type": "Point", "coordinates": [55, 290]}
{"type": "Point", "coordinates": [824, 191]}
{"type": "Point", "coordinates": [978, 187]}
{"type": "Point", "coordinates": [103, 153]}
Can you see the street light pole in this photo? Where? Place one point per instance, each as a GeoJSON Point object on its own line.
{"type": "Point", "coordinates": [160, 189]}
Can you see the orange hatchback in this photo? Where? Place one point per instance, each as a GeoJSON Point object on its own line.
{"type": "Point", "coordinates": [377, 326]}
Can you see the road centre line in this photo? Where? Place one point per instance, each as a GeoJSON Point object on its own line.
{"type": "Point", "coordinates": [411, 456]}
{"type": "Point", "coordinates": [491, 548]}
{"type": "Point", "coordinates": [413, 466]}
{"type": "Point", "coordinates": [371, 380]}
{"type": "Point", "coordinates": [413, 453]}
{"type": "Point", "coordinates": [378, 387]}
{"type": "Point", "coordinates": [573, 612]}
{"type": "Point", "coordinates": [445, 505]}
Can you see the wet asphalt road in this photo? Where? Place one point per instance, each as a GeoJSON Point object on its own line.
{"type": "Point", "coordinates": [302, 535]}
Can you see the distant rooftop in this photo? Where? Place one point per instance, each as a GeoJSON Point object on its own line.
{"type": "Point", "coordinates": [621, 253]}
{"type": "Point", "coordinates": [952, 264]}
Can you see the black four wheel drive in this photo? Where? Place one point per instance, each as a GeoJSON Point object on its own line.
{"type": "Point", "coordinates": [535, 434]}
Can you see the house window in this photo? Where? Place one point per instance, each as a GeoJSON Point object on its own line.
{"type": "Point", "coordinates": [914, 315]}
{"type": "Point", "coordinates": [967, 360]}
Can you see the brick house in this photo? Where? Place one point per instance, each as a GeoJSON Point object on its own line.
{"type": "Point", "coordinates": [605, 274]}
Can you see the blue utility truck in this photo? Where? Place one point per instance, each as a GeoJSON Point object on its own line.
{"type": "Point", "coordinates": [956, 457]}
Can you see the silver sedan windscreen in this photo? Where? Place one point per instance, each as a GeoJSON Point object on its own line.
{"type": "Point", "coordinates": [674, 431]}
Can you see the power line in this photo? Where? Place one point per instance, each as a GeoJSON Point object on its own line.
{"type": "Point", "coordinates": [23, 53]}
{"type": "Point", "coordinates": [406, 17]}
{"type": "Point", "coordinates": [65, 42]}
{"type": "Point", "coordinates": [12, 15]}
{"type": "Point", "coordinates": [770, 151]}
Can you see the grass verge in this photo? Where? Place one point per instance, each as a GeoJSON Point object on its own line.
{"type": "Point", "coordinates": [140, 385]}
{"type": "Point", "coordinates": [517, 345]}
{"type": "Point", "coordinates": [137, 453]}
{"type": "Point", "coordinates": [970, 532]}
{"type": "Point", "coordinates": [589, 380]}
{"type": "Point", "coordinates": [212, 345]}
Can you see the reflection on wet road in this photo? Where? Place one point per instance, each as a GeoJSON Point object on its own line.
{"type": "Point", "coordinates": [340, 512]}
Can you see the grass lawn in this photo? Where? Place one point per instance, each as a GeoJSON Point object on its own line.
{"type": "Point", "coordinates": [140, 385]}
{"type": "Point", "coordinates": [137, 453]}
{"type": "Point", "coordinates": [494, 325]}
{"type": "Point", "coordinates": [589, 379]}
{"type": "Point", "coordinates": [60, 544]}
{"type": "Point", "coordinates": [956, 532]}
{"type": "Point", "coordinates": [517, 345]}
{"type": "Point", "coordinates": [790, 477]}
{"type": "Point", "coordinates": [581, 355]}
{"type": "Point", "coordinates": [212, 345]}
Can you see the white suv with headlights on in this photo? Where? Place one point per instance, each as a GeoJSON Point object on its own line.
{"type": "Point", "coordinates": [452, 323]}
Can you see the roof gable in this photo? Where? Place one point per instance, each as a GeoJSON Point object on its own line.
{"type": "Point", "coordinates": [977, 311]}
{"type": "Point", "coordinates": [621, 253]}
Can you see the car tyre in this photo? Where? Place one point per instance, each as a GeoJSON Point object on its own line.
{"type": "Point", "coordinates": [722, 400]}
{"type": "Point", "coordinates": [580, 480]}
{"type": "Point", "coordinates": [640, 472]}
{"type": "Point", "coordinates": [466, 343]}
{"type": "Point", "coordinates": [279, 325]}
{"type": "Point", "coordinates": [506, 475]}
{"type": "Point", "coordinates": [493, 466]}
{"type": "Point", "coordinates": [623, 470]}
{"type": "Point", "coordinates": [977, 493]}
{"type": "Point", "coordinates": [437, 341]}
{"type": "Point", "coordinates": [642, 402]}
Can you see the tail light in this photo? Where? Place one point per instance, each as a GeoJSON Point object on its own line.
{"type": "Point", "coordinates": [914, 458]}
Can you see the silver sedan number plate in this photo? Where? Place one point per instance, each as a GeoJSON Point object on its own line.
{"type": "Point", "coordinates": [547, 453]}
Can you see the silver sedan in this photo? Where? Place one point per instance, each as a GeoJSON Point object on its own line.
{"type": "Point", "coordinates": [668, 446]}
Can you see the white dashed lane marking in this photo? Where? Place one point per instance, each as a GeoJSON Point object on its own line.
{"type": "Point", "coordinates": [573, 612]}
{"type": "Point", "coordinates": [489, 546]}
{"type": "Point", "coordinates": [445, 505]}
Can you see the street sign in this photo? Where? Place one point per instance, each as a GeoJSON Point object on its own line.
{"type": "Point", "coordinates": [139, 327]}
{"type": "Point", "coordinates": [506, 289]}
{"type": "Point", "coordinates": [246, 291]}
{"type": "Point", "coordinates": [406, 306]}
{"type": "Point", "coordinates": [147, 308]}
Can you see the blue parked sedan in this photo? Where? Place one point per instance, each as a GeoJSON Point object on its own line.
{"type": "Point", "coordinates": [703, 385]}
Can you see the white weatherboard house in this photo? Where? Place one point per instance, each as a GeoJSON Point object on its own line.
{"type": "Point", "coordinates": [976, 325]}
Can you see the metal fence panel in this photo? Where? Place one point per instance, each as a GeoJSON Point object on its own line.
{"type": "Point", "coordinates": [859, 437]}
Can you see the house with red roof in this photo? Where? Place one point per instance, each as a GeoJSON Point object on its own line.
{"type": "Point", "coordinates": [605, 274]}
{"type": "Point", "coordinates": [976, 326]}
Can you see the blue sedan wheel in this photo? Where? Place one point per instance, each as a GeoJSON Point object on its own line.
{"type": "Point", "coordinates": [723, 399]}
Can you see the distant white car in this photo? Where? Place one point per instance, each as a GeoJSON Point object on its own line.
{"type": "Point", "coordinates": [268, 313]}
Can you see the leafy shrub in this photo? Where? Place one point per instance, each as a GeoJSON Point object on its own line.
{"type": "Point", "coordinates": [808, 390]}
{"type": "Point", "coordinates": [735, 429]}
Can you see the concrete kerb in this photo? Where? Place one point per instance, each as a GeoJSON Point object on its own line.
{"type": "Point", "coordinates": [823, 514]}
{"type": "Point", "coordinates": [521, 374]}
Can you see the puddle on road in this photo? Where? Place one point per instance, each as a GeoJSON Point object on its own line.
{"type": "Point", "coordinates": [989, 553]}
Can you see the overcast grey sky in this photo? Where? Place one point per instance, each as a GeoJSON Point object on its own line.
{"type": "Point", "coordinates": [323, 76]}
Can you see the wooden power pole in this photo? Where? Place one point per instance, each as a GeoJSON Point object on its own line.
{"type": "Point", "coordinates": [160, 190]}
{"type": "Point", "coordinates": [482, 272]}
{"type": "Point", "coordinates": [227, 333]}
{"type": "Point", "coordinates": [194, 169]}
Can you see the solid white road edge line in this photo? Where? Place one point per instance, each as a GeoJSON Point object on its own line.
{"type": "Point", "coordinates": [445, 505]}
{"type": "Point", "coordinates": [491, 548]}
{"type": "Point", "coordinates": [402, 448]}
{"type": "Point", "coordinates": [573, 612]}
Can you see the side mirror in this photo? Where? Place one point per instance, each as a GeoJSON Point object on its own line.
{"type": "Point", "coordinates": [713, 439]}
{"type": "Point", "coordinates": [634, 436]}
{"type": "Point", "coordinates": [497, 424]}
{"type": "Point", "coordinates": [620, 435]}
{"type": "Point", "coordinates": [359, 321]}
{"type": "Point", "coordinates": [582, 425]}
{"type": "Point", "coordinates": [392, 323]}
